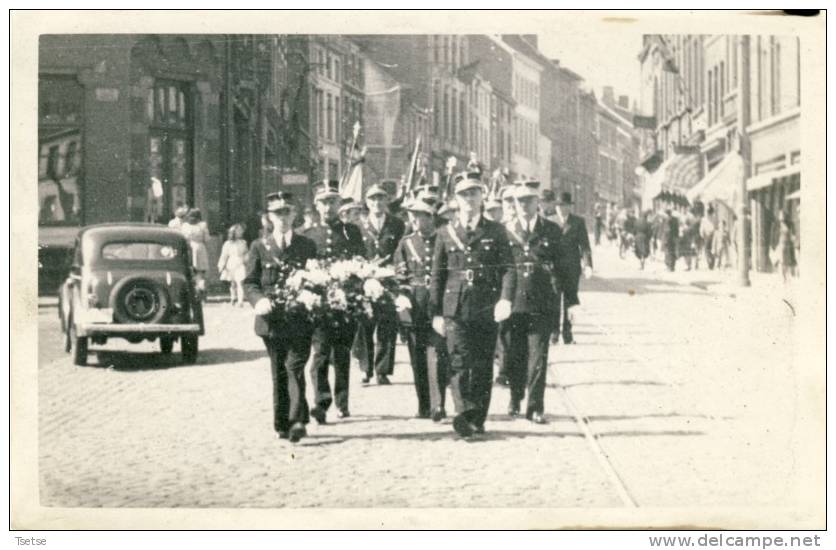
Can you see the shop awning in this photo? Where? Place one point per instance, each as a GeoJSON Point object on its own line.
{"type": "Point", "coordinates": [676, 175]}
{"type": "Point", "coordinates": [768, 178]}
{"type": "Point", "coordinates": [721, 183]}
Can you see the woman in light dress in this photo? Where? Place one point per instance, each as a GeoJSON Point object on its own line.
{"type": "Point", "coordinates": [197, 233]}
{"type": "Point", "coordinates": [232, 265]}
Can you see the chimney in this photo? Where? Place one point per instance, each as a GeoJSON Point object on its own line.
{"type": "Point", "coordinates": [609, 96]}
{"type": "Point", "coordinates": [531, 39]}
{"type": "Point", "coordinates": [624, 102]}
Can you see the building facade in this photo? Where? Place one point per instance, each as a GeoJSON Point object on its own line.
{"type": "Point", "coordinates": [729, 105]}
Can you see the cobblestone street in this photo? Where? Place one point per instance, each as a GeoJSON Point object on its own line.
{"type": "Point", "coordinates": [664, 401]}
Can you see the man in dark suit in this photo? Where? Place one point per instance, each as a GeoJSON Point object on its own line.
{"type": "Point", "coordinates": [471, 290]}
{"type": "Point", "coordinates": [575, 259]}
{"type": "Point", "coordinates": [535, 245]}
{"type": "Point", "coordinates": [427, 349]}
{"type": "Point", "coordinates": [332, 344]}
{"type": "Point", "coordinates": [381, 234]}
{"type": "Point", "coordinates": [286, 337]}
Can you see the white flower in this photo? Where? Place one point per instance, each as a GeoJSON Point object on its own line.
{"type": "Point", "coordinates": [337, 299]}
{"type": "Point", "coordinates": [309, 299]}
{"type": "Point", "coordinates": [317, 277]}
{"type": "Point", "coordinates": [373, 289]}
{"type": "Point", "coordinates": [294, 282]}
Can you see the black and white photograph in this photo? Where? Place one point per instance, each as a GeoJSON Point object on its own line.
{"type": "Point", "coordinates": [403, 270]}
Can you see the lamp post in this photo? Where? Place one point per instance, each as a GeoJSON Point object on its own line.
{"type": "Point", "coordinates": [743, 116]}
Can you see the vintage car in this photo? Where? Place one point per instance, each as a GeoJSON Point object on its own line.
{"type": "Point", "coordinates": [131, 281]}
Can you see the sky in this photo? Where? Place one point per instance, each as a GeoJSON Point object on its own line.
{"type": "Point", "coordinates": [602, 58]}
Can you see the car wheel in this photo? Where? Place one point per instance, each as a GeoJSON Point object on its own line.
{"type": "Point", "coordinates": [79, 347]}
{"type": "Point", "coordinates": [166, 344]}
{"type": "Point", "coordinates": [137, 300]}
{"type": "Point", "coordinates": [188, 347]}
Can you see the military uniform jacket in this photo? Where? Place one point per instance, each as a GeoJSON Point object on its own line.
{"type": "Point", "coordinates": [471, 272]}
{"type": "Point", "coordinates": [381, 245]}
{"type": "Point", "coordinates": [268, 266]}
{"type": "Point", "coordinates": [536, 258]}
{"type": "Point", "coordinates": [335, 240]}
{"type": "Point", "coordinates": [413, 266]}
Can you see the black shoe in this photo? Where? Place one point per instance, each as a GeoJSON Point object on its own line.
{"type": "Point", "coordinates": [568, 339]}
{"type": "Point", "coordinates": [423, 414]}
{"type": "Point", "coordinates": [463, 426]}
{"type": "Point", "coordinates": [383, 380]}
{"type": "Point", "coordinates": [343, 413]}
{"type": "Point", "coordinates": [319, 415]}
{"type": "Point", "coordinates": [439, 414]}
{"type": "Point", "coordinates": [501, 380]}
{"type": "Point", "coordinates": [480, 429]}
{"type": "Point", "coordinates": [514, 409]}
{"type": "Point", "coordinates": [538, 418]}
{"type": "Point", "coordinates": [283, 434]}
{"type": "Point", "coordinates": [297, 432]}
{"type": "Point", "coordinates": [366, 379]}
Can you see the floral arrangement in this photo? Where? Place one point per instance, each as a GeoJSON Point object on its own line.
{"type": "Point", "coordinates": [336, 292]}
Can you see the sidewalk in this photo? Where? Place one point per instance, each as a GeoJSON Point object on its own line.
{"type": "Point", "coordinates": [715, 281]}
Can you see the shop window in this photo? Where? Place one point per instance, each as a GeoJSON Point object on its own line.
{"type": "Point", "coordinates": [60, 185]}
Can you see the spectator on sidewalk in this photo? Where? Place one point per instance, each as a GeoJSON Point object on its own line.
{"type": "Point", "coordinates": [786, 246]}
{"type": "Point", "coordinates": [232, 263]}
{"type": "Point", "coordinates": [643, 231]}
{"type": "Point", "coordinates": [707, 230]}
{"type": "Point", "coordinates": [670, 237]}
{"type": "Point", "coordinates": [197, 233]}
{"type": "Point", "coordinates": [721, 245]}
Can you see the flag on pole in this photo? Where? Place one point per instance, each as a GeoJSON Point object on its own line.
{"type": "Point", "coordinates": [353, 185]}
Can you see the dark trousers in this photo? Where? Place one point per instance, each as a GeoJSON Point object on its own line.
{"type": "Point", "coordinates": [380, 351]}
{"type": "Point", "coordinates": [428, 355]}
{"type": "Point", "coordinates": [670, 258]}
{"type": "Point", "coordinates": [288, 355]}
{"type": "Point", "coordinates": [471, 347]}
{"type": "Point", "coordinates": [527, 350]}
{"type": "Point", "coordinates": [332, 345]}
{"type": "Point", "coordinates": [566, 298]}
{"type": "Point", "coordinates": [500, 353]}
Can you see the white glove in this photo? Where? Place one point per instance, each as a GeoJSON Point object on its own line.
{"type": "Point", "coordinates": [402, 303]}
{"type": "Point", "coordinates": [502, 310]}
{"type": "Point", "coordinates": [263, 307]}
{"type": "Point", "coordinates": [438, 324]}
{"type": "Point", "coordinates": [587, 272]}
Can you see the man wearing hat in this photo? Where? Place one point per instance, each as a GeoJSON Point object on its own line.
{"type": "Point", "coordinates": [381, 234]}
{"type": "Point", "coordinates": [471, 291]}
{"type": "Point", "coordinates": [334, 240]}
{"type": "Point", "coordinates": [493, 209]}
{"type": "Point", "coordinates": [575, 258]}
{"type": "Point", "coordinates": [287, 339]}
{"type": "Point", "coordinates": [535, 247]}
{"type": "Point", "coordinates": [427, 349]}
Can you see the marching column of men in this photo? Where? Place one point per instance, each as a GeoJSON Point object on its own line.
{"type": "Point", "coordinates": [487, 276]}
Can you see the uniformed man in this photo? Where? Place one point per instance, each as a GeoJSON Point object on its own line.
{"type": "Point", "coordinates": [287, 339]}
{"type": "Point", "coordinates": [509, 214]}
{"type": "Point", "coordinates": [575, 258]}
{"type": "Point", "coordinates": [332, 344]}
{"type": "Point", "coordinates": [535, 246]}
{"type": "Point", "coordinates": [493, 209]}
{"type": "Point", "coordinates": [472, 286]}
{"type": "Point", "coordinates": [381, 234]}
{"type": "Point", "coordinates": [427, 349]}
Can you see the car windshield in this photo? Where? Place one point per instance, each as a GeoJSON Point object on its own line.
{"type": "Point", "coordinates": [138, 251]}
